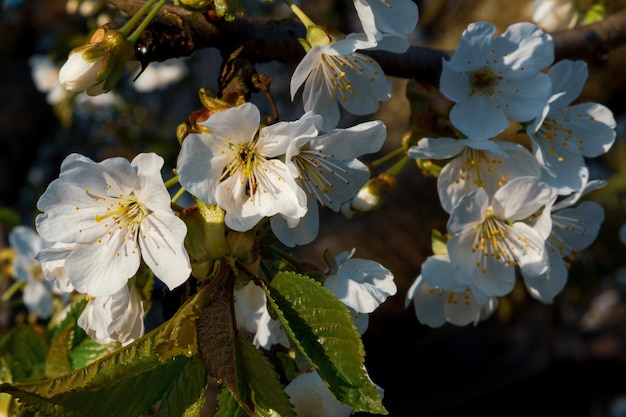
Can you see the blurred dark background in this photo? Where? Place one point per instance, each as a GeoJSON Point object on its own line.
{"type": "Point", "coordinates": [567, 358]}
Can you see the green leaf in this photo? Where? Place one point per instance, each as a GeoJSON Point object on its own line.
{"type": "Point", "coordinates": [5, 399]}
{"type": "Point", "coordinates": [266, 391]}
{"type": "Point", "coordinates": [136, 358]}
{"type": "Point", "coordinates": [125, 397]}
{"type": "Point", "coordinates": [320, 326]}
{"type": "Point", "coordinates": [58, 361]}
{"type": "Point", "coordinates": [186, 394]}
{"type": "Point", "coordinates": [89, 351]}
{"type": "Point", "coordinates": [70, 320]}
{"type": "Point", "coordinates": [25, 349]}
{"type": "Point", "coordinates": [228, 406]}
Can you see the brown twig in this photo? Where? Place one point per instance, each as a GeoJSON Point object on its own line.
{"type": "Point", "coordinates": [265, 41]}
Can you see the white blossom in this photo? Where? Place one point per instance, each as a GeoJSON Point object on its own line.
{"type": "Point", "coordinates": [335, 73]}
{"type": "Point", "coordinates": [236, 166]}
{"type": "Point", "coordinates": [438, 297]}
{"type": "Point", "coordinates": [474, 163]}
{"type": "Point", "coordinates": [37, 292]}
{"type": "Point", "coordinates": [360, 284]}
{"type": "Point", "coordinates": [489, 235]}
{"type": "Point", "coordinates": [117, 317]}
{"type": "Point", "coordinates": [327, 168]}
{"type": "Point", "coordinates": [493, 78]}
{"type": "Point", "coordinates": [115, 213]}
{"type": "Point", "coordinates": [565, 134]}
{"type": "Point", "coordinates": [572, 229]}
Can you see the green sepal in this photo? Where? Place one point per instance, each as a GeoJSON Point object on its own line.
{"type": "Point", "coordinates": [321, 328]}
{"type": "Point", "coordinates": [228, 9]}
{"type": "Point", "coordinates": [438, 242]}
{"type": "Point", "coordinates": [596, 13]}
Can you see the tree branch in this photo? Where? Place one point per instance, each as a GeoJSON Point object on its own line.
{"type": "Point", "coordinates": [265, 40]}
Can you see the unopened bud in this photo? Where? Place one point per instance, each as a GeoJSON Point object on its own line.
{"type": "Point", "coordinates": [371, 195]}
{"type": "Point", "coordinates": [97, 66]}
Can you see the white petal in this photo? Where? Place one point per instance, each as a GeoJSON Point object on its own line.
{"type": "Point", "coordinates": [201, 161]}
{"type": "Point", "coordinates": [102, 268]}
{"type": "Point", "coordinates": [520, 198]}
{"type": "Point", "coordinates": [161, 239]}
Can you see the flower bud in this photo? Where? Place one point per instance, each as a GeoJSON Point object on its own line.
{"type": "Point", "coordinates": [97, 66]}
{"type": "Point", "coordinates": [371, 195]}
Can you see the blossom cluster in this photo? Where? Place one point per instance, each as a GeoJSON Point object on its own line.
{"type": "Point", "coordinates": [511, 209]}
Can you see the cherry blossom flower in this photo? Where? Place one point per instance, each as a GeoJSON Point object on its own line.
{"type": "Point", "coordinates": [445, 300]}
{"type": "Point", "coordinates": [236, 166]}
{"type": "Point", "coordinates": [334, 73]}
{"type": "Point", "coordinates": [327, 168]}
{"type": "Point", "coordinates": [475, 163]}
{"type": "Point", "coordinates": [117, 317]}
{"type": "Point", "coordinates": [493, 78]}
{"type": "Point", "coordinates": [572, 229]}
{"type": "Point", "coordinates": [361, 284]}
{"type": "Point", "coordinates": [115, 213]}
{"type": "Point", "coordinates": [564, 134]}
{"type": "Point", "coordinates": [394, 17]}
{"type": "Point", "coordinates": [37, 292]}
{"type": "Point", "coordinates": [490, 236]}
{"type": "Point", "coordinates": [554, 15]}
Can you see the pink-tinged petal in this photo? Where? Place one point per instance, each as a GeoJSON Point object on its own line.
{"type": "Point", "coordinates": [103, 267]}
{"type": "Point", "coordinates": [161, 239]}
